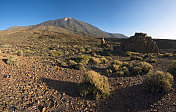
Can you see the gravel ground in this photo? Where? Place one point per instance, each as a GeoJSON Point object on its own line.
{"type": "Point", "coordinates": [34, 86]}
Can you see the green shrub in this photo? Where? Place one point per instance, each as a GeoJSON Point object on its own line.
{"type": "Point", "coordinates": [127, 64]}
{"type": "Point", "coordinates": [94, 61]}
{"type": "Point", "coordinates": [55, 53]}
{"type": "Point", "coordinates": [63, 64]}
{"type": "Point", "coordinates": [141, 68]}
{"type": "Point", "coordinates": [81, 49]}
{"type": "Point", "coordinates": [129, 53]}
{"type": "Point", "coordinates": [12, 61]}
{"type": "Point", "coordinates": [117, 62]}
{"type": "Point", "coordinates": [172, 68]}
{"type": "Point", "coordinates": [136, 58]}
{"type": "Point", "coordinates": [151, 60]}
{"type": "Point", "coordinates": [67, 53]}
{"type": "Point", "coordinates": [80, 66]}
{"type": "Point", "coordinates": [20, 53]}
{"type": "Point", "coordinates": [103, 60]}
{"type": "Point", "coordinates": [109, 58]}
{"type": "Point", "coordinates": [72, 63]}
{"type": "Point", "coordinates": [94, 84]}
{"type": "Point", "coordinates": [129, 68]}
{"type": "Point", "coordinates": [114, 67]}
{"type": "Point", "coordinates": [84, 59]}
{"type": "Point", "coordinates": [165, 55]}
{"type": "Point", "coordinates": [158, 82]}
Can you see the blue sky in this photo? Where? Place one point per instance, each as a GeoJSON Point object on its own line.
{"type": "Point", "coordinates": [154, 17]}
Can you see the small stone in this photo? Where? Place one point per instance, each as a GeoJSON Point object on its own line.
{"type": "Point", "coordinates": [91, 110]}
{"type": "Point", "coordinates": [63, 94]}
{"type": "Point", "coordinates": [44, 109]}
{"type": "Point", "coordinates": [4, 76]}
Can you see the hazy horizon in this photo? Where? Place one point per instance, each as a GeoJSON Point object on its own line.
{"type": "Point", "coordinates": [154, 17]}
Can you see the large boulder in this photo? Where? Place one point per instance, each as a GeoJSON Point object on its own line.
{"type": "Point", "coordinates": [141, 43]}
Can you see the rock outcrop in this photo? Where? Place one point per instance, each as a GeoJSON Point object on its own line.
{"type": "Point", "coordinates": [141, 43]}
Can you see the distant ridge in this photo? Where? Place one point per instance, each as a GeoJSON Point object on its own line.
{"type": "Point", "coordinates": [15, 27]}
{"type": "Point", "coordinates": [71, 26]}
{"type": "Point", "coordinates": [77, 26]}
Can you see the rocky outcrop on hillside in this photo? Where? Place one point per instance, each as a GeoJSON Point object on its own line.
{"type": "Point", "coordinates": [140, 42]}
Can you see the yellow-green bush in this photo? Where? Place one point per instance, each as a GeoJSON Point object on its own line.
{"type": "Point", "coordinates": [158, 82]}
{"type": "Point", "coordinates": [103, 60]}
{"type": "Point", "coordinates": [172, 68]}
{"type": "Point", "coordinates": [136, 58]}
{"type": "Point", "coordinates": [72, 63]}
{"type": "Point", "coordinates": [63, 64]}
{"type": "Point", "coordinates": [20, 53]}
{"type": "Point", "coordinates": [94, 84]}
{"type": "Point", "coordinates": [55, 53]}
{"type": "Point", "coordinates": [80, 66]}
{"type": "Point", "coordinates": [165, 55]}
{"type": "Point", "coordinates": [94, 61]}
{"type": "Point", "coordinates": [109, 58]}
{"type": "Point", "coordinates": [134, 68]}
{"type": "Point", "coordinates": [12, 60]}
{"type": "Point", "coordinates": [117, 62]}
{"type": "Point", "coordinates": [114, 67]}
{"type": "Point", "coordinates": [130, 53]}
{"type": "Point", "coordinates": [84, 59]}
{"type": "Point", "coordinates": [141, 68]}
{"type": "Point", "coordinates": [151, 60]}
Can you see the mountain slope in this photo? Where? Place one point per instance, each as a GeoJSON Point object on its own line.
{"type": "Point", "coordinates": [117, 35]}
{"type": "Point", "coordinates": [75, 26]}
{"type": "Point", "coordinates": [78, 27]}
{"type": "Point", "coordinates": [69, 26]}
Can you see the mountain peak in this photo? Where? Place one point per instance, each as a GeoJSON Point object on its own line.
{"type": "Point", "coordinates": [77, 26]}
{"type": "Point", "coordinates": [66, 18]}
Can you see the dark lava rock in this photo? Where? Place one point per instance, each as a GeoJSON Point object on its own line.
{"type": "Point", "coordinates": [141, 43]}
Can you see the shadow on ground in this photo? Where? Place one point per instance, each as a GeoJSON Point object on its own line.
{"type": "Point", "coordinates": [131, 99]}
{"type": "Point", "coordinates": [69, 88]}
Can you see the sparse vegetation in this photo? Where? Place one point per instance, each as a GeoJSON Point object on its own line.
{"type": "Point", "coordinates": [172, 68]}
{"type": "Point", "coordinates": [12, 60]}
{"type": "Point", "coordinates": [55, 53]}
{"type": "Point", "coordinates": [95, 84]}
{"type": "Point", "coordinates": [165, 55]}
{"type": "Point", "coordinates": [94, 61]}
{"type": "Point", "coordinates": [62, 58]}
{"type": "Point", "coordinates": [118, 68]}
{"type": "Point", "coordinates": [158, 82]}
{"type": "Point", "coordinates": [136, 58]}
{"type": "Point", "coordinates": [151, 60]}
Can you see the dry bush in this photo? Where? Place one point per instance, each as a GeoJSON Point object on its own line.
{"type": "Point", "coordinates": [117, 62]}
{"type": "Point", "coordinates": [158, 82]}
{"type": "Point", "coordinates": [118, 68]}
{"type": "Point", "coordinates": [136, 58]}
{"type": "Point", "coordinates": [55, 53]}
{"type": "Point", "coordinates": [12, 60]}
{"type": "Point", "coordinates": [172, 68]}
{"type": "Point", "coordinates": [151, 60]}
{"type": "Point", "coordinates": [109, 58]}
{"type": "Point", "coordinates": [141, 68]}
{"type": "Point", "coordinates": [84, 59]}
{"type": "Point", "coordinates": [72, 63]}
{"type": "Point", "coordinates": [165, 55]}
{"type": "Point", "coordinates": [130, 53]}
{"type": "Point", "coordinates": [80, 66]}
{"type": "Point", "coordinates": [103, 60]}
{"type": "Point", "coordinates": [20, 53]}
{"type": "Point", "coordinates": [95, 84]}
{"type": "Point", "coordinates": [94, 61]}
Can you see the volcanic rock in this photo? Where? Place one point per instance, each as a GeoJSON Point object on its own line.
{"type": "Point", "coordinates": [141, 43]}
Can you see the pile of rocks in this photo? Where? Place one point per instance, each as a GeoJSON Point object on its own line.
{"type": "Point", "coordinates": [141, 43]}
